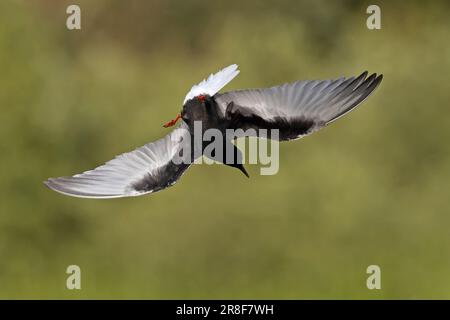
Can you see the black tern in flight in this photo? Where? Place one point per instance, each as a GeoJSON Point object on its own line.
{"type": "Point", "coordinates": [295, 109]}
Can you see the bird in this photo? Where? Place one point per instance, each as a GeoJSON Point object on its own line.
{"type": "Point", "coordinates": [295, 109]}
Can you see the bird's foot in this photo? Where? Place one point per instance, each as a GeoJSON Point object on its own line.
{"type": "Point", "coordinates": [172, 122]}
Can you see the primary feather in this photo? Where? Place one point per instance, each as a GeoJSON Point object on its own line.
{"type": "Point", "coordinates": [297, 108]}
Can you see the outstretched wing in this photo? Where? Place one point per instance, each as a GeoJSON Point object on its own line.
{"type": "Point", "coordinates": [297, 108]}
{"type": "Point", "coordinates": [214, 83]}
{"type": "Point", "coordinates": [147, 169]}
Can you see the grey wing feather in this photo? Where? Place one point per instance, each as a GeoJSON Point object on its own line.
{"type": "Point", "coordinates": [145, 170]}
{"type": "Point", "coordinates": [318, 102]}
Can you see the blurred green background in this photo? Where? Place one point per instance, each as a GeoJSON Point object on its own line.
{"type": "Point", "coordinates": [373, 188]}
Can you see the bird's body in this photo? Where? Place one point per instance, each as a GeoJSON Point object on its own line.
{"type": "Point", "coordinates": [293, 110]}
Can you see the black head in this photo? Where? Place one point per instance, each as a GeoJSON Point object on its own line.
{"type": "Point", "coordinates": [196, 109]}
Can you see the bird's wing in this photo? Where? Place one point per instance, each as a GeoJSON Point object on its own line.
{"type": "Point", "coordinates": [147, 169]}
{"type": "Point", "coordinates": [213, 83]}
{"type": "Point", "coordinates": [297, 108]}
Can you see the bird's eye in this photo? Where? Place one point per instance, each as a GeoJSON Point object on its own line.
{"type": "Point", "coordinates": [201, 98]}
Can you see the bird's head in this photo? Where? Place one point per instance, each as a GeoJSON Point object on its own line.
{"type": "Point", "coordinates": [194, 109]}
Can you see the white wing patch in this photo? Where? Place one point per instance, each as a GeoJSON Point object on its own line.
{"type": "Point", "coordinates": [213, 83]}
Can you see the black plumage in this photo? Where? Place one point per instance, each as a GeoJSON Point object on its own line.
{"type": "Point", "coordinates": [294, 109]}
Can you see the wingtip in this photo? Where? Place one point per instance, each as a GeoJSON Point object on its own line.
{"type": "Point", "coordinates": [375, 75]}
{"type": "Point", "coordinates": [374, 78]}
{"type": "Point", "coordinates": [50, 184]}
{"type": "Point", "coordinates": [47, 183]}
{"type": "Point", "coordinates": [377, 78]}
